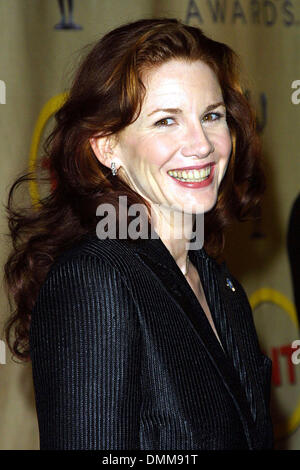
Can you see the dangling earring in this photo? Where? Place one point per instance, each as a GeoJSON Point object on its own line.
{"type": "Point", "coordinates": [113, 168]}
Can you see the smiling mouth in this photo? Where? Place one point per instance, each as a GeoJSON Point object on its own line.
{"type": "Point", "coordinates": [191, 175]}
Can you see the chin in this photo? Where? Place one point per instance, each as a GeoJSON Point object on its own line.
{"type": "Point", "coordinates": [206, 206]}
{"type": "Point", "coordinates": [210, 206]}
{"type": "Point", "coordinates": [196, 206]}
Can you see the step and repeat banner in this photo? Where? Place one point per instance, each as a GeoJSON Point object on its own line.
{"type": "Point", "coordinates": [41, 43]}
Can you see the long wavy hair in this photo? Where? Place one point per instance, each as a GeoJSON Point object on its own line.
{"type": "Point", "coordinates": [106, 95]}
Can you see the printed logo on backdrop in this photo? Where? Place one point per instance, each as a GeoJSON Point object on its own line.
{"type": "Point", "coordinates": [46, 113]}
{"type": "Point", "coordinates": [243, 12]}
{"type": "Point", "coordinates": [282, 339]}
{"type": "Point", "coordinates": [66, 9]}
{"type": "Point", "coordinates": [277, 321]}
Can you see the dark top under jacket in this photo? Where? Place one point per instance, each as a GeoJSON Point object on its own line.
{"type": "Point", "coordinates": [124, 357]}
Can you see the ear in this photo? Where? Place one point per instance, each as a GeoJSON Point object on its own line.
{"type": "Point", "coordinates": [103, 148]}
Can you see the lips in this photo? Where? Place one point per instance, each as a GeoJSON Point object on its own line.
{"type": "Point", "coordinates": [195, 173]}
{"type": "Point", "coordinates": [193, 177]}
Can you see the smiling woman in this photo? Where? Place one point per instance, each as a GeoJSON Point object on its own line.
{"type": "Point", "coordinates": [143, 342]}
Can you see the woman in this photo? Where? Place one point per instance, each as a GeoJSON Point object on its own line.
{"type": "Point", "coordinates": [143, 342]}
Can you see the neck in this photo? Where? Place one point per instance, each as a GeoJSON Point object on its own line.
{"type": "Point", "coordinates": [175, 231]}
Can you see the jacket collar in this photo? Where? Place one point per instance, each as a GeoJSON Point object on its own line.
{"type": "Point", "coordinates": [156, 257]}
{"type": "Point", "coordinates": [154, 254]}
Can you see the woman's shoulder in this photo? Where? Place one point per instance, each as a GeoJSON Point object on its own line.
{"type": "Point", "coordinates": [83, 295]}
{"type": "Point", "coordinates": [88, 265]}
{"type": "Point", "coordinates": [115, 253]}
{"type": "Point", "coordinates": [85, 269]}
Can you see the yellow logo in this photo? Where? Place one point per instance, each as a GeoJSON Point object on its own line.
{"type": "Point", "coordinates": [291, 423]}
{"type": "Point", "coordinates": [47, 111]}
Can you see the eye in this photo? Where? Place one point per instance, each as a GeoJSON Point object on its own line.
{"type": "Point", "coordinates": [164, 122]}
{"type": "Point", "coordinates": [219, 115]}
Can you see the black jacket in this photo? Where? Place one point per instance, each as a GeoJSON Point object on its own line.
{"type": "Point", "coordinates": [123, 355]}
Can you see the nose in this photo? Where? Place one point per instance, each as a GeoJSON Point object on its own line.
{"type": "Point", "coordinates": [197, 142]}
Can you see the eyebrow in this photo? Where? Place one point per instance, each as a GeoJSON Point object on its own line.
{"type": "Point", "coordinates": [178, 111]}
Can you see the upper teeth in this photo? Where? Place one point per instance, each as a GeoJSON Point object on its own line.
{"type": "Point", "coordinates": [190, 174]}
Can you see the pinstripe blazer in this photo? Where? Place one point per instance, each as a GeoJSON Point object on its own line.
{"type": "Point", "coordinates": [123, 356]}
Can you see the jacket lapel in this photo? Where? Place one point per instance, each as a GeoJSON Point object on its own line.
{"type": "Point", "coordinates": [160, 263]}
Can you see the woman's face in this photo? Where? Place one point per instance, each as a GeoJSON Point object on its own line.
{"type": "Point", "coordinates": [176, 153]}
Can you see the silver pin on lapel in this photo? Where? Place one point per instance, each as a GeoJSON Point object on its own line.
{"type": "Point", "coordinates": [229, 284]}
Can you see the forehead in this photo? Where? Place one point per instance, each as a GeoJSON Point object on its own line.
{"type": "Point", "coordinates": [180, 80]}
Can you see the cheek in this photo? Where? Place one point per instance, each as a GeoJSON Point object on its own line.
{"type": "Point", "coordinates": [224, 145]}
{"type": "Point", "coordinates": [156, 151]}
